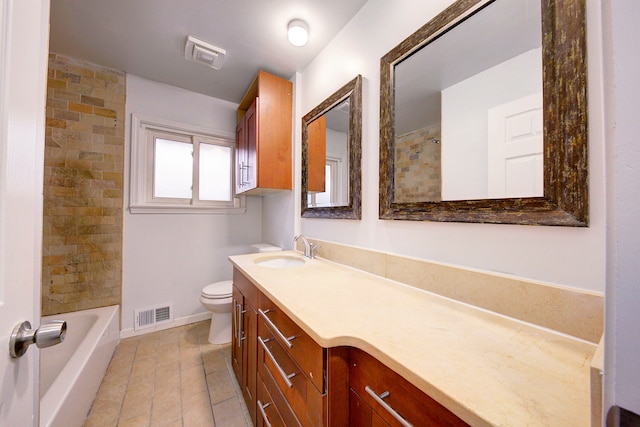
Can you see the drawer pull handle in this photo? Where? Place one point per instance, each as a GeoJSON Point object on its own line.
{"type": "Point", "coordinates": [286, 377]}
{"type": "Point", "coordinates": [285, 340]}
{"type": "Point", "coordinates": [264, 414]}
{"type": "Point", "coordinates": [378, 398]}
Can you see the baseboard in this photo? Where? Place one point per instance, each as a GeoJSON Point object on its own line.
{"type": "Point", "coordinates": [126, 333]}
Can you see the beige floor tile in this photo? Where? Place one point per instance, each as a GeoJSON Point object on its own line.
{"type": "Point", "coordinates": [128, 346]}
{"type": "Point", "coordinates": [147, 349]}
{"type": "Point", "coordinates": [103, 413]}
{"type": "Point", "coordinates": [112, 389]}
{"type": "Point", "coordinates": [196, 411]}
{"type": "Point", "coordinates": [168, 376]}
{"type": "Point", "coordinates": [137, 400]}
{"type": "Point", "coordinates": [190, 357]}
{"type": "Point", "coordinates": [168, 352]}
{"type": "Point", "coordinates": [220, 386]}
{"type": "Point", "coordinates": [167, 407]}
{"type": "Point", "coordinates": [139, 421]}
{"type": "Point", "coordinates": [193, 381]}
{"type": "Point", "coordinates": [230, 414]}
{"type": "Point", "coordinates": [143, 370]}
{"type": "Point", "coordinates": [213, 358]}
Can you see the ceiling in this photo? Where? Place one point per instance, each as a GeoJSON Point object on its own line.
{"type": "Point", "coordinates": [147, 37]}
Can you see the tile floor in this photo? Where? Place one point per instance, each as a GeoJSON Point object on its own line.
{"type": "Point", "coordinates": [170, 378]}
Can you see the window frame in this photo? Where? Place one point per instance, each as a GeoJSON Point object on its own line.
{"type": "Point", "coordinates": [141, 200]}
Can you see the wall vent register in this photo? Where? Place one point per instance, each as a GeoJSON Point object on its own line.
{"type": "Point", "coordinates": [153, 316]}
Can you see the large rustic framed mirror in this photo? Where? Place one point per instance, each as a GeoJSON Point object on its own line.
{"type": "Point", "coordinates": [457, 146]}
{"type": "Point", "coordinates": [331, 155]}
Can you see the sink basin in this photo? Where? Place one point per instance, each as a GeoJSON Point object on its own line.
{"type": "Point", "coordinates": [279, 262]}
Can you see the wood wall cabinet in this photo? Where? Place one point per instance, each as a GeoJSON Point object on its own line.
{"type": "Point", "coordinates": [263, 146]}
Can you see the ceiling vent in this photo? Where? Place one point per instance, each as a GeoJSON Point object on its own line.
{"type": "Point", "coordinates": [204, 53]}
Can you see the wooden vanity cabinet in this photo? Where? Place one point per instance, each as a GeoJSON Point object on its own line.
{"type": "Point", "coordinates": [263, 133]}
{"type": "Point", "coordinates": [244, 339]}
{"type": "Point", "coordinates": [308, 383]}
{"type": "Point", "coordinates": [288, 379]}
{"type": "Point", "coordinates": [368, 378]}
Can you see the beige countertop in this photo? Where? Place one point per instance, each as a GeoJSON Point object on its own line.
{"type": "Point", "coordinates": [488, 369]}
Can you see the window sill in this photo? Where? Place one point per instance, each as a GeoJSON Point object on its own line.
{"type": "Point", "coordinates": [186, 209]}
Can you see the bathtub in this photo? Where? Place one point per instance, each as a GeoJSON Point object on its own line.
{"type": "Point", "coordinates": [71, 372]}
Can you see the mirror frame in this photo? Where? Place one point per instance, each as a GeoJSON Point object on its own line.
{"type": "Point", "coordinates": [565, 201]}
{"type": "Point", "coordinates": [353, 92]}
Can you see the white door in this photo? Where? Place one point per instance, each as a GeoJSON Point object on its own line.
{"type": "Point", "coordinates": [515, 149]}
{"type": "Point", "coordinates": [24, 36]}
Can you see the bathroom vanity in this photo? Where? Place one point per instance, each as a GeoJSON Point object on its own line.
{"type": "Point", "coordinates": [320, 343]}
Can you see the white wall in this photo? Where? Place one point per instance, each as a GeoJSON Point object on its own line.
{"type": "Point", "coordinates": [465, 154]}
{"type": "Point", "coordinates": [622, 68]}
{"type": "Point", "coordinates": [568, 256]}
{"type": "Point", "coordinates": [170, 257]}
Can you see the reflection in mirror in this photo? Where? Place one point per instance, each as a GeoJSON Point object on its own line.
{"type": "Point", "coordinates": [493, 84]}
{"type": "Point", "coordinates": [331, 135]}
{"type": "Point", "coordinates": [328, 150]}
{"type": "Point", "coordinates": [483, 116]}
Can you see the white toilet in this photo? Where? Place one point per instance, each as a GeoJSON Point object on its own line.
{"type": "Point", "coordinates": [216, 298]}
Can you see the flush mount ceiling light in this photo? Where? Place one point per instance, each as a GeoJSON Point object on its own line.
{"type": "Point", "coordinates": [204, 53]}
{"type": "Point", "coordinates": [298, 32]}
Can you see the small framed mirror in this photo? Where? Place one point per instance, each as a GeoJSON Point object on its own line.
{"type": "Point", "coordinates": [331, 155]}
{"type": "Point", "coordinates": [483, 116]}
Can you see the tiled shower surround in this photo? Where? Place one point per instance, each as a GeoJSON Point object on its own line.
{"type": "Point", "coordinates": [418, 171]}
{"type": "Point", "coordinates": [83, 185]}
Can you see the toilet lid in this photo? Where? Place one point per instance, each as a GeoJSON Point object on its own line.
{"type": "Point", "coordinates": [218, 290]}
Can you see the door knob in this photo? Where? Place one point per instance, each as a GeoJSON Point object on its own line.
{"type": "Point", "coordinates": [51, 333]}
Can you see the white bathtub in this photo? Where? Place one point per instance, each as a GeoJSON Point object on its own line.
{"type": "Point", "coordinates": [71, 372]}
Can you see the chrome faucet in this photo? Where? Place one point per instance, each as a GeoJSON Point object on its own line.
{"type": "Point", "coordinates": [309, 248]}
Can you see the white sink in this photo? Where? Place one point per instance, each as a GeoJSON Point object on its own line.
{"type": "Point", "coordinates": [279, 262]}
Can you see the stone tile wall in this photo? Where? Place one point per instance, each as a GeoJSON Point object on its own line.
{"type": "Point", "coordinates": [83, 186]}
{"type": "Point", "coordinates": [418, 166]}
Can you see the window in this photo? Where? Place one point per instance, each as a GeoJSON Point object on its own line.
{"type": "Point", "coordinates": [334, 194]}
{"type": "Point", "coordinates": [178, 168]}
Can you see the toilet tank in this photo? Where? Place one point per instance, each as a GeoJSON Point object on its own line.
{"type": "Point", "coordinates": [264, 247]}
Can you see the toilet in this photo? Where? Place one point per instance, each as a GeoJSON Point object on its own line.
{"type": "Point", "coordinates": [216, 298]}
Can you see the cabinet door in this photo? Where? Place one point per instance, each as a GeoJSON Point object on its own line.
{"type": "Point", "coordinates": [249, 359]}
{"type": "Point", "coordinates": [251, 130]}
{"type": "Point", "coordinates": [241, 155]}
{"type": "Point", "coordinates": [237, 333]}
{"type": "Point", "coordinates": [361, 414]}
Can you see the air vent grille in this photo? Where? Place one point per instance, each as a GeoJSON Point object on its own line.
{"type": "Point", "coordinates": [204, 53]}
{"type": "Point", "coordinates": [152, 316]}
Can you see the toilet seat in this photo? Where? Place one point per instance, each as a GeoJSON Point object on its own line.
{"type": "Point", "coordinates": [218, 290]}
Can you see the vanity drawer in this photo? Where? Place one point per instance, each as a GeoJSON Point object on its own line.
{"type": "Point", "coordinates": [282, 375]}
{"type": "Point", "coordinates": [368, 378]}
{"type": "Point", "coordinates": [268, 413]}
{"type": "Point", "coordinates": [306, 352]}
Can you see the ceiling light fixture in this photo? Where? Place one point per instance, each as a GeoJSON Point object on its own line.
{"type": "Point", "coordinates": [298, 32]}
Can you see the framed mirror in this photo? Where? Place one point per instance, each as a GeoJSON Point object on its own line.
{"type": "Point", "coordinates": [331, 155]}
{"type": "Point", "coordinates": [483, 116]}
